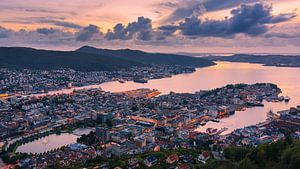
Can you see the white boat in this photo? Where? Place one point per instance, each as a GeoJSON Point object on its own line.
{"type": "Point", "coordinates": [287, 98]}
{"type": "Point", "coordinates": [215, 120]}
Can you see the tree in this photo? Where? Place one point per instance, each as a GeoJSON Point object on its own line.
{"type": "Point", "coordinates": [246, 163]}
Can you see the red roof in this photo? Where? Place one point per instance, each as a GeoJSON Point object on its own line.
{"type": "Point", "coordinates": [172, 158]}
{"type": "Point", "coordinates": [183, 166]}
{"type": "Point", "coordinates": [206, 154]}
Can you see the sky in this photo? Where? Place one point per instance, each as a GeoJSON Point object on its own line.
{"type": "Point", "coordinates": [199, 26]}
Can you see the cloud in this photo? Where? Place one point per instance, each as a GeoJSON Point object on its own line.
{"type": "Point", "coordinates": [166, 31]}
{"type": "Point", "coordinates": [51, 20]}
{"type": "Point", "coordinates": [282, 35]}
{"type": "Point", "coordinates": [283, 17]}
{"type": "Point", "coordinates": [214, 5]}
{"type": "Point", "coordinates": [251, 25]}
{"type": "Point", "coordinates": [4, 33]}
{"type": "Point", "coordinates": [46, 31]}
{"type": "Point", "coordinates": [190, 9]}
{"type": "Point", "coordinates": [87, 33]}
{"type": "Point", "coordinates": [251, 20]}
{"type": "Point", "coordinates": [60, 23]}
{"type": "Point", "coordinates": [194, 8]}
{"type": "Point", "coordinates": [140, 29]}
{"type": "Point", "coordinates": [49, 11]}
{"type": "Point", "coordinates": [284, 32]}
{"type": "Point", "coordinates": [168, 4]}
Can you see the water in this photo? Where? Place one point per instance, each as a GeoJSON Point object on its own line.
{"type": "Point", "coordinates": [288, 79]}
{"type": "Point", "coordinates": [47, 143]}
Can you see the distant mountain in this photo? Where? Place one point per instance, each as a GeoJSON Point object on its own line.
{"type": "Point", "coordinates": [268, 60]}
{"type": "Point", "coordinates": [18, 57]}
{"type": "Point", "coordinates": [149, 58]}
{"type": "Point", "coordinates": [90, 59]}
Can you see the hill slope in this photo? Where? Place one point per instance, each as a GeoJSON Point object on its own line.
{"type": "Point", "coordinates": [90, 59]}
{"type": "Point", "coordinates": [17, 57]}
{"type": "Point", "coordinates": [268, 60]}
{"type": "Point", "coordinates": [149, 58]}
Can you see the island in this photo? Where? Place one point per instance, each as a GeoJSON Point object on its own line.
{"type": "Point", "coordinates": [266, 59]}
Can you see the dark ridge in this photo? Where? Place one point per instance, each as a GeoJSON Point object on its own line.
{"type": "Point", "coordinates": [90, 59]}
{"type": "Point", "coordinates": [29, 58]}
{"type": "Point", "coordinates": [268, 60]}
{"type": "Point", "coordinates": [149, 58]}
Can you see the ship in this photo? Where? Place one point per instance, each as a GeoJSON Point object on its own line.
{"type": "Point", "coordinates": [203, 123]}
{"type": "Point", "coordinates": [255, 104]}
{"type": "Point", "coordinates": [121, 81]}
{"type": "Point", "coordinates": [215, 120]}
{"type": "Point", "coordinates": [140, 80]}
{"type": "Point", "coordinates": [211, 130]}
{"type": "Point", "coordinates": [287, 98]}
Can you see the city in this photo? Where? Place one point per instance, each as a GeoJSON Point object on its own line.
{"type": "Point", "coordinates": [136, 122]}
{"type": "Point", "coordinates": [131, 84]}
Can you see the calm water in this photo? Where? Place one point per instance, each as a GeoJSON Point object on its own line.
{"type": "Point", "coordinates": [288, 79]}
{"type": "Point", "coordinates": [48, 143]}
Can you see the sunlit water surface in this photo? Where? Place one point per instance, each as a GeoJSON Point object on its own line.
{"type": "Point", "coordinates": [47, 143]}
{"type": "Point", "coordinates": [288, 79]}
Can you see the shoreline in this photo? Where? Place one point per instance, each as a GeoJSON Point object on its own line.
{"type": "Point", "coordinates": [263, 64]}
{"type": "Point", "coordinates": [66, 90]}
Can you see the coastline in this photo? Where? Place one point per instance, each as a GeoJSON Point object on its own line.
{"type": "Point", "coordinates": [67, 90]}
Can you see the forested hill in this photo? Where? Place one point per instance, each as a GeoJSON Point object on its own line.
{"type": "Point", "coordinates": [29, 58]}
{"type": "Point", "coordinates": [284, 154]}
{"type": "Point", "coordinates": [90, 59]}
{"type": "Point", "coordinates": [268, 60]}
{"type": "Point", "coordinates": [149, 58]}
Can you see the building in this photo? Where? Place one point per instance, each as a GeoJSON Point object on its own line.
{"type": "Point", "coordinates": [172, 159]}
{"type": "Point", "coordinates": [103, 134]}
{"type": "Point", "coordinates": [140, 141]}
{"type": "Point", "coordinates": [204, 156]}
{"type": "Point", "coordinates": [102, 117]}
{"type": "Point", "coordinates": [150, 161]}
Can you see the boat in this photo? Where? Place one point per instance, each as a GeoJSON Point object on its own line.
{"type": "Point", "coordinates": [203, 123]}
{"type": "Point", "coordinates": [140, 80]}
{"type": "Point", "coordinates": [232, 112]}
{"type": "Point", "coordinates": [211, 130]}
{"type": "Point", "coordinates": [281, 98]}
{"type": "Point", "coordinates": [255, 104]}
{"type": "Point", "coordinates": [215, 120]}
{"type": "Point", "coordinates": [287, 98]}
{"type": "Point", "coordinates": [121, 81]}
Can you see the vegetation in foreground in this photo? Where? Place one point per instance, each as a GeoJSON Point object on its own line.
{"type": "Point", "coordinates": [283, 154]}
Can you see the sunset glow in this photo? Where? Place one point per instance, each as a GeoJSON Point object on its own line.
{"type": "Point", "coordinates": [20, 18]}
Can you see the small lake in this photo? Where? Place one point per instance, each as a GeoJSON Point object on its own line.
{"type": "Point", "coordinates": [47, 143]}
